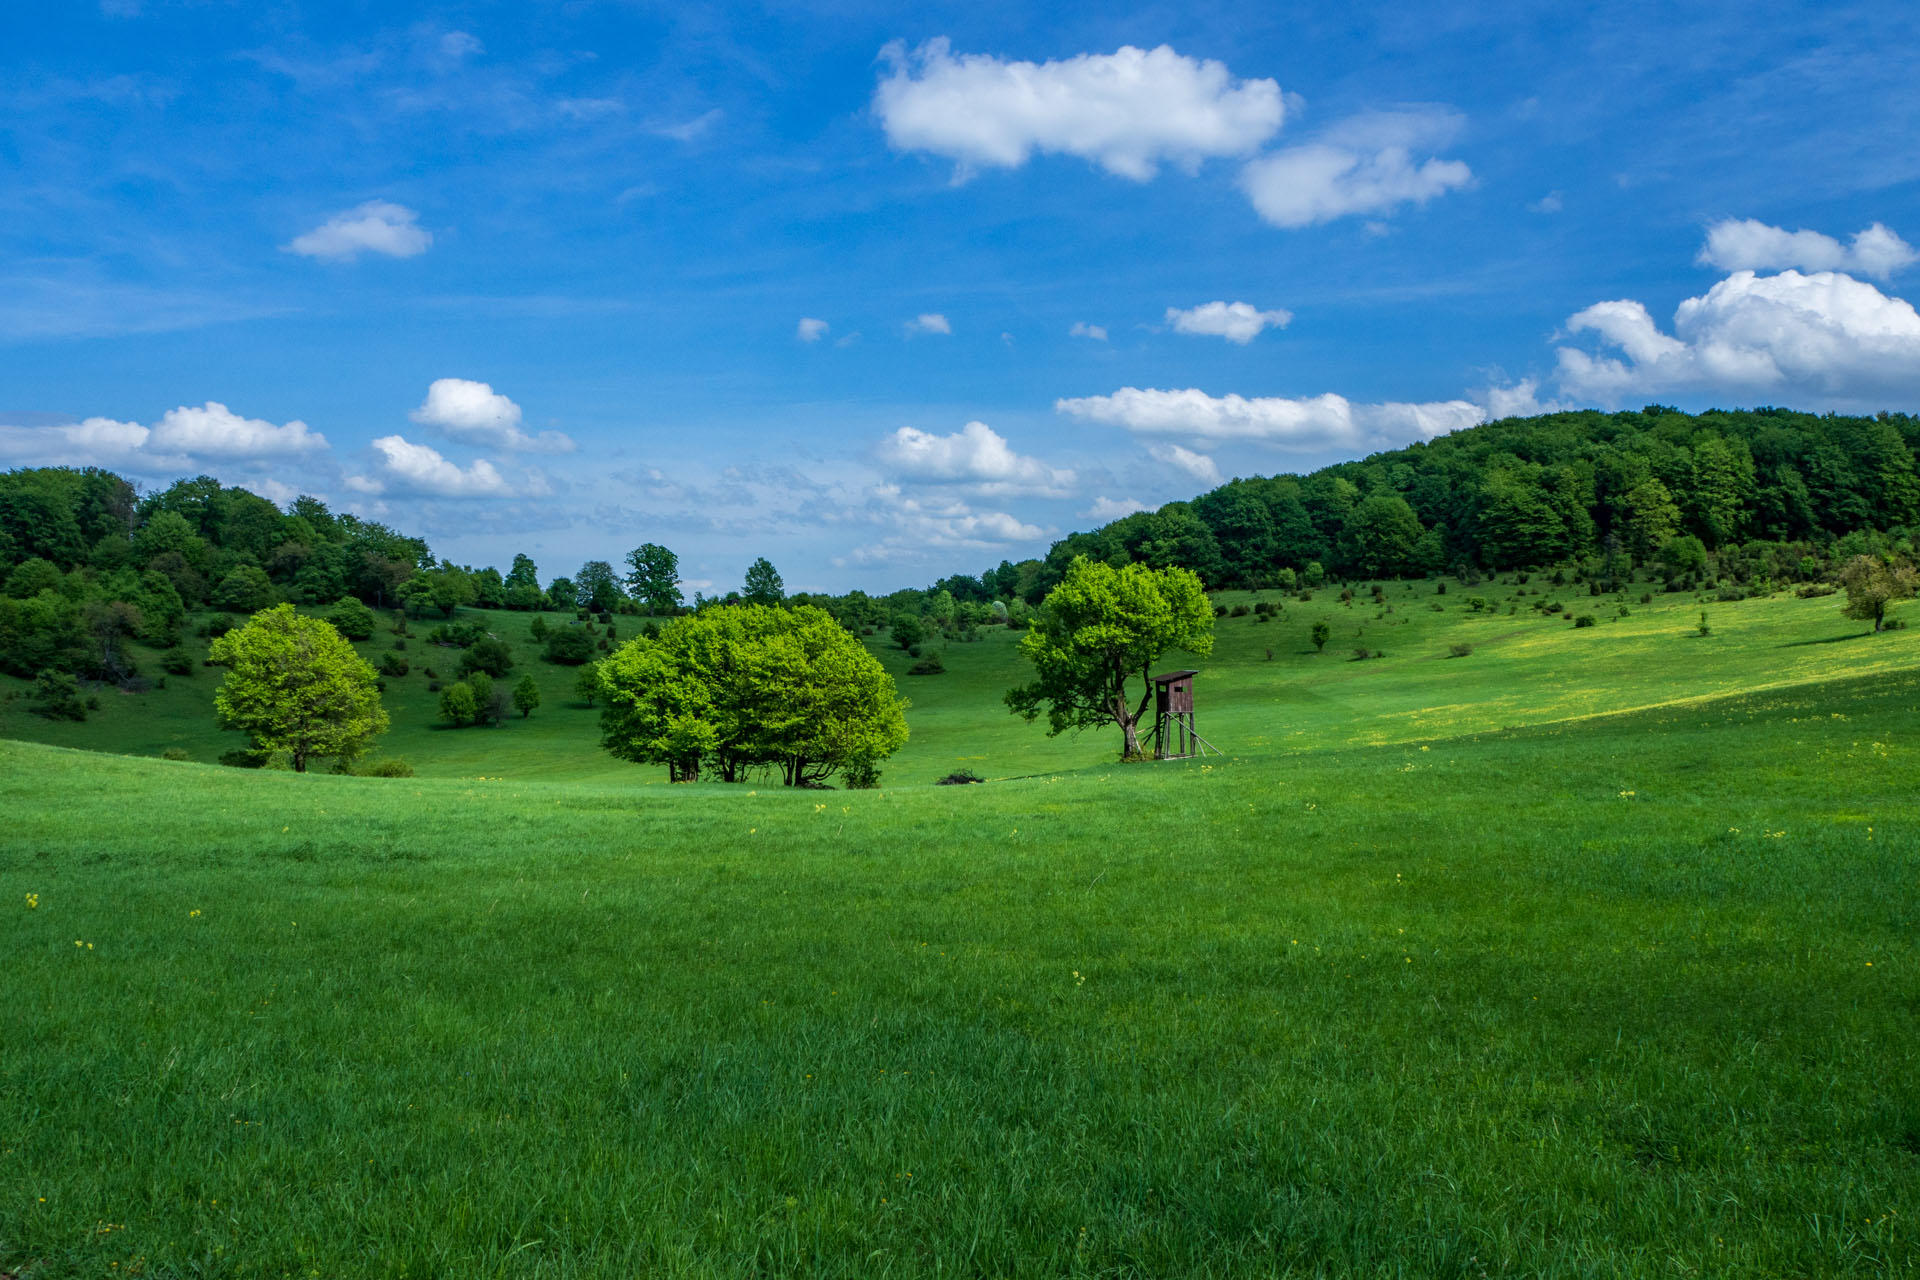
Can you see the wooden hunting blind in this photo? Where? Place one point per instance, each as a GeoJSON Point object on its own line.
{"type": "Point", "coordinates": [1174, 737]}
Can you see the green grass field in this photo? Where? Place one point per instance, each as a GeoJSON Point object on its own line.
{"type": "Point", "coordinates": [1590, 954]}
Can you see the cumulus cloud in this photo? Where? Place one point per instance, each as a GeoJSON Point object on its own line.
{"type": "Point", "coordinates": [183, 437]}
{"type": "Point", "coordinates": [927, 525]}
{"type": "Point", "coordinates": [1239, 322]}
{"type": "Point", "coordinates": [215, 431]}
{"type": "Point", "coordinates": [404, 467]}
{"type": "Point", "coordinates": [1127, 111]}
{"type": "Point", "coordinates": [1081, 329]}
{"type": "Point", "coordinates": [810, 329]}
{"type": "Point", "coordinates": [473, 413]}
{"type": "Point", "coordinates": [1312, 423]}
{"type": "Point", "coordinates": [1825, 336]}
{"type": "Point", "coordinates": [374, 227]}
{"type": "Point", "coordinates": [1104, 509]}
{"type": "Point", "coordinates": [976, 457]}
{"type": "Point", "coordinates": [1744, 244]}
{"type": "Point", "coordinates": [928, 322]}
{"type": "Point", "coordinates": [1197, 465]}
{"type": "Point", "coordinates": [1367, 164]}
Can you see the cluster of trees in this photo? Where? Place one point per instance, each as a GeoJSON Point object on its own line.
{"type": "Point", "coordinates": [742, 689]}
{"type": "Point", "coordinates": [88, 565]}
{"type": "Point", "coordinates": [1629, 487]}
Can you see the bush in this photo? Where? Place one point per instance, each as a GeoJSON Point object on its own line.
{"type": "Point", "coordinates": [399, 646]}
{"type": "Point", "coordinates": [457, 635]}
{"type": "Point", "coordinates": [927, 666]}
{"type": "Point", "coordinates": [1459, 650]}
{"type": "Point", "coordinates": [1584, 620]}
{"type": "Point", "coordinates": [393, 665]}
{"type": "Point", "coordinates": [569, 646]}
{"type": "Point", "coordinates": [1219, 611]}
{"type": "Point", "coordinates": [351, 618]}
{"type": "Point", "coordinates": [244, 758]}
{"type": "Point", "coordinates": [56, 695]}
{"type": "Point", "coordinates": [1361, 653]}
{"type": "Point", "coordinates": [175, 753]}
{"type": "Point", "coordinates": [1239, 611]}
{"type": "Point", "coordinates": [177, 663]}
{"type": "Point", "coordinates": [458, 707]}
{"type": "Point", "coordinates": [489, 655]}
{"type": "Point", "coordinates": [1814, 590]}
{"type": "Point", "coordinates": [391, 767]}
{"type": "Point", "coordinates": [960, 778]}
{"type": "Point", "coordinates": [861, 774]}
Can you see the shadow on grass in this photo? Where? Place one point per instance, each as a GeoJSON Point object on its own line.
{"type": "Point", "coordinates": [1801, 644]}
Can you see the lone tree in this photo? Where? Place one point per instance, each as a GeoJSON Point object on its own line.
{"type": "Point", "coordinates": [526, 696]}
{"type": "Point", "coordinates": [1874, 582]}
{"type": "Point", "coordinates": [295, 685]}
{"type": "Point", "coordinates": [597, 588]}
{"type": "Point", "coordinates": [653, 578]}
{"type": "Point", "coordinates": [1320, 634]}
{"type": "Point", "coordinates": [1098, 629]}
{"type": "Point", "coordinates": [746, 687]}
{"type": "Point", "coordinates": [763, 583]}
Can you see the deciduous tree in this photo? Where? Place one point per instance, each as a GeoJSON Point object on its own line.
{"type": "Point", "coordinates": [1101, 627]}
{"type": "Point", "coordinates": [295, 685]}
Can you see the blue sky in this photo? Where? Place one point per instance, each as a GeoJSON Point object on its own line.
{"type": "Point", "coordinates": [884, 294]}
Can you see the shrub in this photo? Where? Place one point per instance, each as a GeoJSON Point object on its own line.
{"type": "Point", "coordinates": [56, 695]}
{"type": "Point", "coordinates": [215, 627]}
{"type": "Point", "coordinates": [1440, 590]}
{"type": "Point", "coordinates": [569, 646]}
{"type": "Point", "coordinates": [244, 758]}
{"type": "Point", "coordinates": [1646, 597]}
{"type": "Point", "coordinates": [1219, 611]}
{"type": "Point", "coordinates": [1361, 653]}
{"type": "Point", "coordinates": [391, 767]}
{"type": "Point", "coordinates": [458, 707]}
{"type": "Point", "coordinates": [433, 686]}
{"type": "Point", "coordinates": [457, 635]}
{"type": "Point", "coordinates": [960, 778]}
{"type": "Point", "coordinates": [351, 618]}
{"type": "Point", "coordinates": [1584, 620]}
{"type": "Point", "coordinates": [399, 646]}
{"type": "Point", "coordinates": [1305, 596]}
{"type": "Point", "coordinates": [393, 665]}
{"type": "Point", "coordinates": [489, 655]}
{"type": "Point", "coordinates": [1320, 634]}
{"type": "Point", "coordinates": [1459, 650]}
{"type": "Point", "coordinates": [1704, 628]}
{"type": "Point", "coordinates": [1814, 590]}
{"type": "Point", "coordinates": [861, 774]}
{"type": "Point", "coordinates": [177, 663]}
{"type": "Point", "coordinates": [175, 753]}
{"type": "Point", "coordinates": [927, 666]}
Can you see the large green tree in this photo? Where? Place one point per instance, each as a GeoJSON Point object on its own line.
{"type": "Point", "coordinates": [653, 578]}
{"type": "Point", "coordinates": [763, 585]}
{"type": "Point", "coordinates": [1098, 630]}
{"type": "Point", "coordinates": [1874, 582]}
{"type": "Point", "coordinates": [743, 687]}
{"type": "Point", "coordinates": [597, 587]}
{"type": "Point", "coordinates": [295, 685]}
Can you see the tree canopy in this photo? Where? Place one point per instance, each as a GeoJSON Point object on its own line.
{"type": "Point", "coordinates": [1101, 627]}
{"type": "Point", "coordinates": [763, 585]}
{"type": "Point", "coordinates": [653, 578]}
{"type": "Point", "coordinates": [738, 688]}
{"type": "Point", "coordinates": [294, 685]}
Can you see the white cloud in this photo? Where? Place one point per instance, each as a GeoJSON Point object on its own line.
{"type": "Point", "coordinates": [810, 329]}
{"type": "Point", "coordinates": [1126, 111]}
{"type": "Point", "coordinates": [928, 322]}
{"type": "Point", "coordinates": [1365, 165]}
{"type": "Point", "coordinates": [1239, 322]}
{"type": "Point", "coordinates": [211, 438]}
{"type": "Point", "coordinates": [215, 431]}
{"type": "Point", "coordinates": [405, 467]}
{"type": "Point", "coordinates": [1743, 244]}
{"type": "Point", "coordinates": [473, 413]}
{"type": "Point", "coordinates": [1197, 465]}
{"type": "Point", "coordinates": [1519, 400]}
{"type": "Point", "coordinates": [927, 526]}
{"type": "Point", "coordinates": [1105, 509]}
{"type": "Point", "coordinates": [1314, 423]}
{"type": "Point", "coordinates": [690, 130]}
{"type": "Point", "coordinates": [1552, 202]}
{"type": "Point", "coordinates": [374, 227]}
{"type": "Point", "coordinates": [976, 456]}
{"type": "Point", "coordinates": [1824, 336]}
{"type": "Point", "coordinates": [1081, 329]}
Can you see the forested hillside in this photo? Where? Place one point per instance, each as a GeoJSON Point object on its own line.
{"type": "Point", "coordinates": [1765, 495]}
{"type": "Point", "coordinates": [1778, 485]}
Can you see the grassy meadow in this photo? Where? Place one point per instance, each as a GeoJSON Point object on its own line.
{"type": "Point", "coordinates": [1595, 952]}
